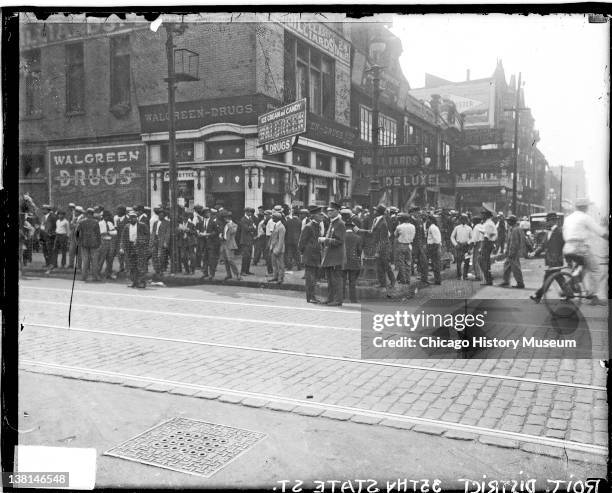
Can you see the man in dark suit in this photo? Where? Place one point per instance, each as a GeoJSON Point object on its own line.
{"type": "Point", "coordinates": [134, 243]}
{"type": "Point", "coordinates": [292, 238]}
{"type": "Point", "coordinates": [88, 240]}
{"type": "Point", "coordinates": [213, 245]}
{"type": "Point", "coordinates": [553, 245]}
{"type": "Point", "coordinates": [309, 247]}
{"type": "Point", "coordinates": [245, 237]}
{"type": "Point", "coordinates": [47, 234]}
{"type": "Point", "coordinates": [512, 264]}
{"type": "Point", "coordinates": [334, 254]}
{"type": "Point", "coordinates": [353, 244]}
{"type": "Point", "coordinates": [379, 234]}
{"type": "Point", "coordinates": [160, 244]}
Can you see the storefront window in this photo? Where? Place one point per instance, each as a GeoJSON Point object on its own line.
{"type": "Point", "coordinates": [225, 149]}
{"type": "Point", "coordinates": [184, 152]}
{"type": "Point", "coordinates": [365, 123]}
{"type": "Point", "coordinates": [323, 162]}
{"type": "Point", "coordinates": [301, 158]}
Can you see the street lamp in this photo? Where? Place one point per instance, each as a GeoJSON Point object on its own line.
{"type": "Point", "coordinates": [183, 66]}
{"type": "Point", "coordinates": [377, 48]}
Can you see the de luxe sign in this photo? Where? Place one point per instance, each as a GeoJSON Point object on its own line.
{"type": "Point", "coordinates": [106, 175]}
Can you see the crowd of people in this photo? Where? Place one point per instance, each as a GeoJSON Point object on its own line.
{"type": "Point", "coordinates": [330, 243]}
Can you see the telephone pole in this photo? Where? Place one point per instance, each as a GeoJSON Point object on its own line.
{"type": "Point", "coordinates": [516, 110]}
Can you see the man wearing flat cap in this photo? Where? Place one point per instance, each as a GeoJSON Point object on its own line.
{"type": "Point", "coordinates": [310, 249]}
{"type": "Point", "coordinates": [379, 233]}
{"type": "Point", "coordinates": [334, 254]}
{"type": "Point", "coordinates": [88, 241]}
{"type": "Point", "coordinates": [135, 242]}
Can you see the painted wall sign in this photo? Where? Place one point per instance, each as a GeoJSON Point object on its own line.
{"type": "Point", "coordinates": [37, 34]}
{"type": "Point", "coordinates": [280, 123]}
{"type": "Point", "coordinates": [321, 36]}
{"type": "Point", "coordinates": [481, 136]}
{"type": "Point", "coordinates": [330, 132]}
{"type": "Point", "coordinates": [395, 156]}
{"type": "Point", "coordinates": [182, 175]}
{"type": "Point", "coordinates": [190, 115]}
{"type": "Point", "coordinates": [106, 175]}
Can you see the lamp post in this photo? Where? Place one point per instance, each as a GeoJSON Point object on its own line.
{"type": "Point", "coordinates": [174, 77]}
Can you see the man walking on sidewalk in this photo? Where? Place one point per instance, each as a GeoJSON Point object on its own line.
{"type": "Point", "coordinates": [434, 247]}
{"type": "Point", "coordinates": [404, 234]}
{"type": "Point", "coordinates": [245, 239]}
{"type": "Point", "coordinates": [514, 249]}
{"type": "Point", "coordinates": [553, 246]}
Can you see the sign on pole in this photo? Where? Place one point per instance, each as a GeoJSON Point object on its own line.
{"type": "Point", "coordinates": [276, 129]}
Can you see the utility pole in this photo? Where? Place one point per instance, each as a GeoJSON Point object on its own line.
{"type": "Point", "coordinates": [516, 110]}
{"type": "Point", "coordinates": [561, 191]}
{"type": "Point", "coordinates": [374, 183]}
{"type": "Point", "coordinates": [172, 146]}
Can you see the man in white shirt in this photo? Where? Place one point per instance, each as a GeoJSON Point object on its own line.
{"type": "Point", "coordinates": [106, 252]}
{"type": "Point", "coordinates": [579, 231]}
{"type": "Point", "coordinates": [489, 237]}
{"type": "Point", "coordinates": [404, 234]}
{"type": "Point", "coordinates": [434, 245]}
{"type": "Point", "coordinates": [461, 238]}
{"type": "Point", "coordinates": [62, 230]}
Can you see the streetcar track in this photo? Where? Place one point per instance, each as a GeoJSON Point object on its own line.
{"type": "Point", "coordinates": [203, 300]}
{"type": "Point", "coordinates": [554, 442]}
{"type": "Point", "coordinates": [194, 315]}
{"type": "Point", "coordinates": [323, 356]}
{"type": "Point", "coordinates": [321, 309]}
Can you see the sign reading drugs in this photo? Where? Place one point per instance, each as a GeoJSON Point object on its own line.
{"type": "Point", "coordinates": [107, 175]}
{"type": "Point", "coordinates": [288, 121]}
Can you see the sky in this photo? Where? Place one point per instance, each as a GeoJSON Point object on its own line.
{"type": "Point", "coordinates": [564, 64]}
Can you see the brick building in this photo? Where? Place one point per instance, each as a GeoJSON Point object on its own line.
{"type": "Point", "coordinates": [416, 139]}
{"type": "Point", "coordinates": [484, 163]}
{"type": "Point", "coordinates": [94, 122]}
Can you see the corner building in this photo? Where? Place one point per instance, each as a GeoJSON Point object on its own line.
{"type": "Point", "coordinates": [94, 121]}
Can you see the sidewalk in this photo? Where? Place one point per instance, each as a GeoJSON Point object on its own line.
{"type": "Point", "coordinates": [66, 412]}
{"type": "Point", "coordinates": [294, 280]}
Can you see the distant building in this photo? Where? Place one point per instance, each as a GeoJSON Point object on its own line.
{"type": "Point", "coordinates": [484, 164]}
{"type": "Point", "coordinates": [574, 182]}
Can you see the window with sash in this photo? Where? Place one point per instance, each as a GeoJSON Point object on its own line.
{"type": "Point", "coordinates": [309, 74]}
{"type": "Point", "coordinates": [32, 74]}
{"type": "Point", "coordinates": [120, 70]}
{"type": "Point", "coordinates": [75, 78]}
{"type": "Point", "coordinates": [387, 134]}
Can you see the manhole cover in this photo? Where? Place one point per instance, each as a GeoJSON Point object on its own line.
{"type": "Point", "coordinates": [188, 445]}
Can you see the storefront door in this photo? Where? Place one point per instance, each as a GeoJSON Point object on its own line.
{"type": "Point", "coordinates": [184, 193]}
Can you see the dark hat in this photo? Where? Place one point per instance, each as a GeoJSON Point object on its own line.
{"type": "Point", "coordinates": [414, 209]}
{"type": "Point", "coordinates": [334, 205]}
{"type": "Point", "coordinates": [121, 208]}
{"type": "Point", "coordinates": [260, 207]}
{"type": "Point", "coordinates": [139, 208]}
{"type": "Point", "coordinates": [511, 219]}
{"type": "Point", "coordinates": [197, 207]}
{"type": "Point", "coordinates": [225, 213]}
{"type": "Point", "coordinates": [314, 209]}
{"type": "Point", "coordinates": [551, 216]}
{"type": "Point", "coordinates": [61, 212]}
{"type": "Point", "coordinates": [162, 211]}
{"type": "Point", "coordinates": [381, 209]}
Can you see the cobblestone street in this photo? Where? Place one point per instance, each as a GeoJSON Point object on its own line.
{"type": "Point", "coordinates": [253, 348]}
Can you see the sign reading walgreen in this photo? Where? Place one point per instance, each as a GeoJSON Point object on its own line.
{"type": "Point", "coordinates": [276, 129]}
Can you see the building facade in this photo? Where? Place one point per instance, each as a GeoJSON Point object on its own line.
{"type": "Point", "coordinates": [94, 123]}
{"type": "Point", "coordinates": [484, 162]}
{"type": "Point", "coordinates": [416, 139]}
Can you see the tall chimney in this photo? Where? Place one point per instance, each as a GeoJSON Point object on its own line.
{"type": "Point", "coordinates": [467, 74]}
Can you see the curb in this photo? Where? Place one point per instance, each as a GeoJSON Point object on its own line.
{"type": "Point", "coordinates": [553, 452]}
